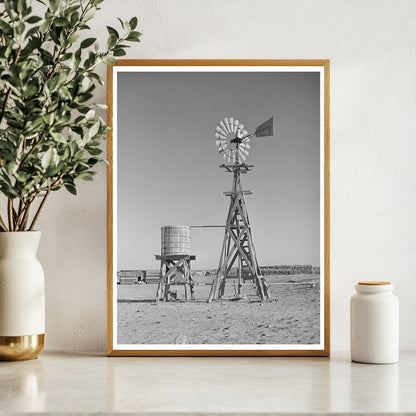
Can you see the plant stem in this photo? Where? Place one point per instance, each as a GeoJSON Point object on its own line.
{"type": "Point", "coordinates": [26, 216]}
{"type": "Point", "coordinates": [20, 213]}
{"type": "Point", "coordinates": [3, 108]}
{"type": "Point", "coordinates": [2, 224]}
{"type": "Point", "coordinates": [17, 217]}
{"type": "Point", "coordinates": [10, 213]}
{"type": "Point", "coordinates": [38, 211]}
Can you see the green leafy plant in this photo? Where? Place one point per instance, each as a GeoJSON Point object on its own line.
{"type": "Point", "coordinates": [50, 134]}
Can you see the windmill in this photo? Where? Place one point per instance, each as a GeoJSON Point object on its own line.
{"type": "Point", "coordinates": [233, 142]}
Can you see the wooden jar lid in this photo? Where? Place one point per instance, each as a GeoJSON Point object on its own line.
{"type": "Point", "coordinates": [374, 283]}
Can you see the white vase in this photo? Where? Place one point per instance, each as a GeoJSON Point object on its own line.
{"type": "Point", "coordinates": [22, 296]}
{"type": "Point", "coordinates": [374, 323]}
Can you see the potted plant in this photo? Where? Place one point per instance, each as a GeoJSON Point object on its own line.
{"type": "Point", "coordinates": [50, 137]}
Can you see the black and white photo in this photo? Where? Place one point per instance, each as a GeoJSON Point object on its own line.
{"type": "Point", "coordinates": [218, 214]}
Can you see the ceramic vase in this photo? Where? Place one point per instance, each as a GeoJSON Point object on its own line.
{"type": "Point", "coordinates": [22, 296]}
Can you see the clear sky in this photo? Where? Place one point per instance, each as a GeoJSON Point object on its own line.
{"type": "Point", "coordinates": [168, 163]}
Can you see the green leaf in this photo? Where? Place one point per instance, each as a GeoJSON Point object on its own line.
{"type": "Point", "coordinates": [67, 153]}
{"type": "Point", "coordinates": [48, 118]}
{"type": "Point", "coordinates": [27, 11]}
{"type": "Point", "coordinates": [73, 38]}
{"type": "Point", "coordinates": [34, 125]}
{"type": "Point", "coordinates": [94, 129]}
{"type": "Point", "coordinates": [90, 114]}
{"type": "Point", "coordinates": [10, 8]}
{"type": "Point", "coordinates": [32, 31]}
{"type": "Point", "coordinates": [70, 188]}
{"type": "Point", "coordinates": [133, 23]}
{"type": "Point", "coordinates": [20, 28]}
{"type": "Point", "coordinates": [53, 83]}
{"type": "Point", "coordinates": [86, 176]}
{"type": "Point", "coordinates": [21, 177]}
{"type": "Point", "coordinates": [92, 161]}
{"type": "Point", "coordinates": [94, 151]}
{"type": "Point", "coordinates": [87, 42]}
{"type": "Point", "coordinates": [61, 21]}
{"type": "Point", "coordinates": [31, 90]}
{"type": "Point", "coordinates": [60, 138]}
{"type": "Point", "coordinates": [119, 52]}
{"type": "Point", "coordinates": [11, 168]}
{"type": "Point", "coordinates": [74, 18]}
{"type": "Point", "coordinates": [52, 171]}
{"type": "Point", "coordinates": [54, 4]}
{"type": "Point", "coordinates": [121, 22]}
{"type": "Point", "coordinates": [88, 16]}
{"type": "Point", "coordinates": [6, 29]}
{"type": "Point", "coordinates": [134, 37]}
{"type": "Point", "coordinates": [112, 40]}
{"type": "Point", "coordinates": [110, 60]}
{"type": "Point", "coordinates": [33, 19]}
{"type": "Point", "coordinates": [111, 30]}
{"type": "Point", "coordinates": [47, 158]}
{"type": "Point", "coordinates": [21, 6]}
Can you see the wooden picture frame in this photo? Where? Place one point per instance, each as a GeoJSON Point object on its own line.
{"type": "Point", "coordinates": [302, 77]}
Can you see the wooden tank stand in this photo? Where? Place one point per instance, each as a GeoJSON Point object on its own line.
{"type": "Point", "coordinates": [174, 270]}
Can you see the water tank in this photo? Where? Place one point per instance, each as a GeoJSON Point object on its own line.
{"type": "Point", "coordinates": [176, 240]}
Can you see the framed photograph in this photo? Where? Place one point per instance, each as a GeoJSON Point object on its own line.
{"type": "Point", "coordinates": [218, 208]}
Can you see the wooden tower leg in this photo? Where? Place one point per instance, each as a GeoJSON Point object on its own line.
{"type": "Point", "coordinates": [168, 280]}
{"type": "Point", "coordinates": [213, 289]}
{"type": "Point", "coordinates": [191, 282]}
{"type": "Point", "coordinates": [222, 288]}
{"type": "Point", "coordinates": [160, 286]}
{"type": "Point", "coordinates": [238, 248]}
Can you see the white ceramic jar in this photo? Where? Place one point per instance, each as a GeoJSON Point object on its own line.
{"type": "Point", "coordinates": [374, 323]}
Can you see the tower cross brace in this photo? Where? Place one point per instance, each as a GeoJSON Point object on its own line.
{"type": "Point", "coordinates": [174, 270]}
{"type": "Point", "coordinates": [238, 248]}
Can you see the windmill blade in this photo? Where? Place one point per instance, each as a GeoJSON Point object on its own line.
{"type": "Point", "coordinates": [235, 129]}
{"type": "Point", "coordinates": [231, 123]}
{"type": "Point", "coordinates": [220, 130]}
{"type": "Point", "coordinates": [240, 127]}
{"type": "Point", "coordinates": [224, 127]}
{"type": "Point", "coordinates": [245, 136]}
{"type": "Point", "coordinates": [220, 136]}
{"type": "Point", "coordinates": [227, 125]}
{"type": "Point", "coordinates": [265, 129]}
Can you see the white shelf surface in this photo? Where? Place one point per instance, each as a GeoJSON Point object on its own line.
{"type": "Point", "coordinates": [86, 383]}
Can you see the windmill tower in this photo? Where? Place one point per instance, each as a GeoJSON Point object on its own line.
{"type": "Point", "coordinates": [238, 251]}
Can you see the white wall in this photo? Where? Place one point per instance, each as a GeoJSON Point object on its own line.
{"type": "Point", "coordinates": [371, 45]}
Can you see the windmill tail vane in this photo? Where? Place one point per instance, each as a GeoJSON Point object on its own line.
{"type": "Point", "coordinates": [265, 129]}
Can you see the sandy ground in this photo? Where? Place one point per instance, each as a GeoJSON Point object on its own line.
{"type": "Point", "coordinates": [292, 317]}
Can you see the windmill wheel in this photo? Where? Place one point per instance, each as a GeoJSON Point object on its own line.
{"type": "Point", "coordinates": [231, 140]}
